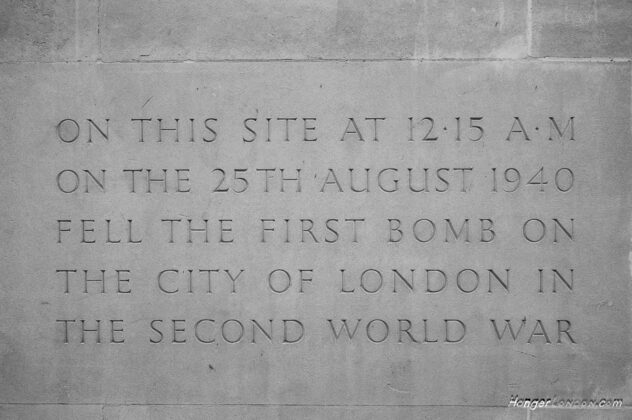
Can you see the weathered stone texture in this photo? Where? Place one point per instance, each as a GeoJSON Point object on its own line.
{"type": "Point", "coordinates": [577, 28]}
{"type": "Point", "coordinates": [330, 59]}
{"type": "Point", "coordinates": [579, 414]}
{"type": "Point", "coordinates": [50, 412]}
{"type": "Point", "coordinates": [66, 30]}
{"type": "Point", "coordinates": [51, 30]}
{"type": "Point", "coordinates": [319, 370]}
{"type": "Point", "coordinates": [254, 412]}
{"type": "Point", "coordinates": [346, 29]}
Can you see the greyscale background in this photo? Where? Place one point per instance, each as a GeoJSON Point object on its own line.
{"type": "Point", "coordinates": [315, 209]}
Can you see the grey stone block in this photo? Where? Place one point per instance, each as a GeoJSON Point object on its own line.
{"type": "Point", "coordinates": [346, 29]}
{"type": "Point", "coordinates": [50, 30]}
{"type": "Point", "coordinates": [574, 28]}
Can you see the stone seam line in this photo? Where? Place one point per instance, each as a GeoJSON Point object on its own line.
{"type": "Point", "coordinates": [598, 60]}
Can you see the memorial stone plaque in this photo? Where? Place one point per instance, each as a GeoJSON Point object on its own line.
{"type": "Point", "coordinates": [313, 239]}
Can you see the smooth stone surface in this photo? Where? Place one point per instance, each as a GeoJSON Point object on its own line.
{"type": "Point", "coordinates": [346, 29]}
{"type": "Point", "coordinates": [51, 412]}
{"type": "Point", "coordinates": [58, 30]}
{"type": "Point", "coordinates": [134, 412]}
{"type": "Point", "coordinates": [311, 413]}
{"type": "Point", "coordinates": [37, 367]}
{"type": "Point", "coordinates": [319, 378]}
{"type": "Point", "coordinates": [572, 28]}
{"type": "Point", "coordinates": [573, 414]}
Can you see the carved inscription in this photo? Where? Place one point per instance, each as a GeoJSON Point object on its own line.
{"type": "Point", "coordinates": [369, 219]}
